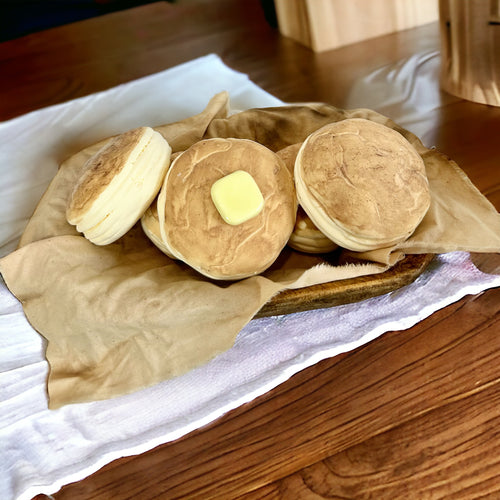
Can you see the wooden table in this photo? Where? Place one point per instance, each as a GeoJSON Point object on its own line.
{"type": "Point", "coordinates": [413, 414]}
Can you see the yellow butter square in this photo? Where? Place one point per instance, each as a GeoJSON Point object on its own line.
{"type": "Point", "coordinates": [237, 197]}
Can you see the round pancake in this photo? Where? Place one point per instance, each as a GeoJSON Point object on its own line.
{"type": "Point", "coordinates": [305, 237]}
{"type": "Point", "coordinates": [194, 231]}
{"type": "Point", "coordinates": [150, 222]}
{"type": "Point", "coordinates": [118, 184]}
{"type": "Point", "coordinates": [151, 226]}
{"type": "Point", "coordinates": [288, 155]}
{"type": "Point", "coordinates": [362, 184]}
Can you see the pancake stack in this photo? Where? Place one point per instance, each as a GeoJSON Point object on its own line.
{"type": "Point", "coordinates": [118, 184]}
{"type": "Point", "coordinates": [195, 230]}
{"type": "Point", "coordinates": [362, 184]}
{"type": "Point", "coordinates": [227, 207]}
{"type": "Point", "coordinates": [305, 237]}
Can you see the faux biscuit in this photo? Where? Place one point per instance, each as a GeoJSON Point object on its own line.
{"type": "Point", "coordinates": [362, 184]}
{"type": "Point", "coordinates": [118, 184]}
{"type": "Point", "coordinates": [305, 237]}
{"type": "Point", "coordinates": [193, 229]}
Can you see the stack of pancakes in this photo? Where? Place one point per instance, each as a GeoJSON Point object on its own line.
{"type": "Point", "coordinates": [354, 184]}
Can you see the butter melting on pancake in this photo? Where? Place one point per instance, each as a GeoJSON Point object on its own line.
{"type": "Point", "coordinates": [193, 229]}
{"type": "Point", "coordinates": [237, 197]}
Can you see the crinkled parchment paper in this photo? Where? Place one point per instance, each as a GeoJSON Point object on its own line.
{"type": "Point", "coordinates": [125, 316]}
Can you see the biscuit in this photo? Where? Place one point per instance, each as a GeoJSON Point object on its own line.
{"type": "Point", "coordinates": [118, 184]}
{"type": "Point", "coordinates": [305, 237]}
{"type": "Point", "coordinates": [362, 184]}
{"type": "Point", "coordinates": [193, 229]}
{"type": "Point", "coordinates": [151, 226]}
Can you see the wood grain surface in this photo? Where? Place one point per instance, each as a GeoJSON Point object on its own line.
{"type": "Point", "coordinates": [405, 379]}
{"type": "Point", "coordinates": [413, 414]}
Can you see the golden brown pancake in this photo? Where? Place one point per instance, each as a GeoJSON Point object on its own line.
{"type": "Point", "coordinates": [305, 237]}
{"type": "Point", "coordinates": [150, 223]}
{"type": "Point", "coordinates": [151, 227]}
{"type": "Point", "coordinates": [117, 185]}
{"type": "Point", "coordinates": [194, 231]}
{"type": "Point", "coordinates": [288, 155]}
{"type": "Point", "coordinates": [362, 184]}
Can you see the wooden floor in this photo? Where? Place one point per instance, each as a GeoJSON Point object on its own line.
{"type": "Point", "coordinates": [413, 414]}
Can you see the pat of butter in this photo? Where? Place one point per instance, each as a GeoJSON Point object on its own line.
{"type": "Point", "coordinates": [237, 197]}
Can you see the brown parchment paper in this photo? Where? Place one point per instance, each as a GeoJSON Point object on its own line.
{"type": "Point", "coordinates": [125, 316]}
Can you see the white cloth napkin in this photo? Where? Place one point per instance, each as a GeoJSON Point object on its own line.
{"type": "Point", "coordinates": [41, 449]}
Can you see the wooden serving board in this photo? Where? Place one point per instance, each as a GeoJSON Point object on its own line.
{"type": "Point", "coordinates": [347, 291]}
